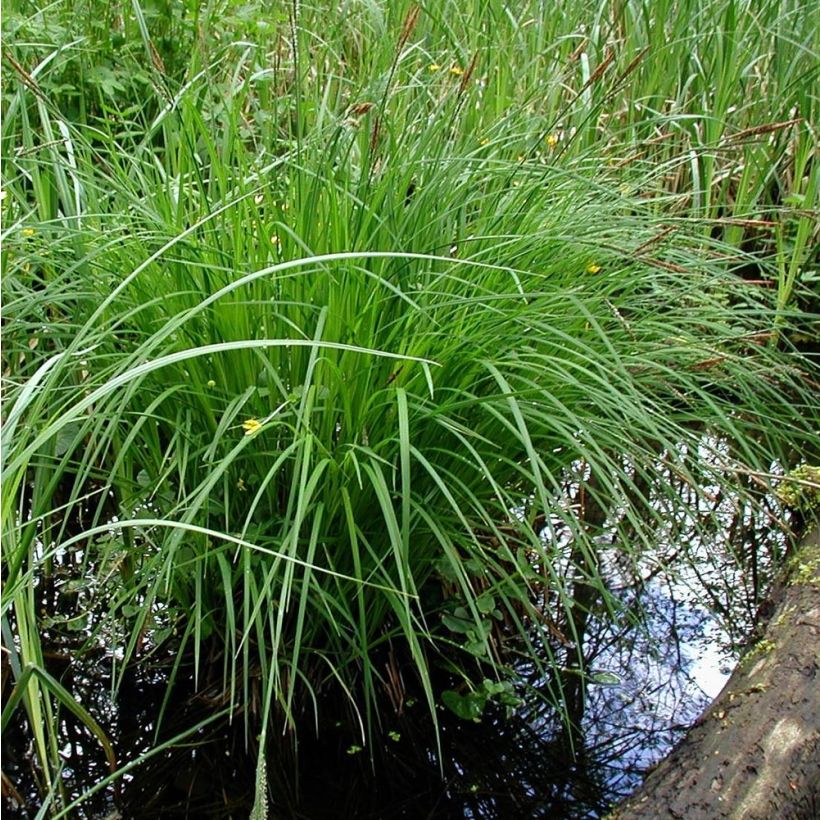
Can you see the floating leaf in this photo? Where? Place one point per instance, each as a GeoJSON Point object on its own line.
{"type": "Point", "coordinates": [477, 648]}
{"type": "Point", "coordinates": [457, 624]}
{"type": "Point", "coordinates": [467, 707]}
{"type": "Point", "coordinates": [485, 604]}
{"type": "Point", "coordinates": [604, 678]}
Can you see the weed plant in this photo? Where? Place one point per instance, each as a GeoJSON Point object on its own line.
{"type": "Point", "coordinates": [309, 312]}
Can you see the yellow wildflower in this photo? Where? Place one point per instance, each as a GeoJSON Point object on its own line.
{"type": "Point", "coordinates": [240, 485]}
{"type": "Point", "coordinates": [552, 140]}
{"type": "Point", "coordinates": [433, 67]}
{"type": "Point", "coordinates": [592, 267]}
{"type": "Point", "coordinates": [457, 70]}
{"type": "Point", "coordinates": [28, 232]}
{"type": "Point", "coordinates": [211, 384]}
{"type": "Point", "coordinates": [251, 426]}
{"type": "Point", "coordinates": [483, 141]}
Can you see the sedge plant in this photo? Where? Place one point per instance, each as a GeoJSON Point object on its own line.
{"type": "Point", "coordinates": [302, 347]}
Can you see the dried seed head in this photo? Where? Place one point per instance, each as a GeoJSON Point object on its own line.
{"type": "Point", "coordinates": [468, 73]}
{"type": "Point", "coordinates": [360, 109]}
{"type": "Point", "coordinates": [407, 29]}
{"type": "Point", "coordinates": [375, 134]}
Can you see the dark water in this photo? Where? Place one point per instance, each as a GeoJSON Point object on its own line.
{"type": "Point", "coordinates": [525, 765]}
{"type": "Point", "coordinates": [649, 673]}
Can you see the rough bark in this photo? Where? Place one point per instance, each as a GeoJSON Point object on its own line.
{"type": "Point", "coordinates": [753, 755]}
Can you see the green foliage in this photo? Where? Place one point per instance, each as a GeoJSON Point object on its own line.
{"type": "Point", "coordinates": [471, 705]}
{"type": "Point", "coordinates": [800, 488]}
{"type": "Point", "coordinates": [309, 321]}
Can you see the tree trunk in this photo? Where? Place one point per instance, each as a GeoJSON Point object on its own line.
{"type": "Point", "coordinates": [753, 755]}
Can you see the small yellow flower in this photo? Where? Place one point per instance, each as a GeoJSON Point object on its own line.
{"type": "Point", "coordinates": [483, 141]}
{"type": "Point", "coordinates": [240, 485]}
{"type": "Point", "coordinates": [28, 232]}
{"type": "Point", "coordinates": [251, 426]}
{"type": "Point", "coordinates": [211, 384]}
{"type": "Point", "coordinates": [457, 70]}
{"type": "Point", "coordinates": [552, 140]}
{"type": "Point", "coordinates": [593, 268]}
{"type": "Point", "coordinates": [433, 67]}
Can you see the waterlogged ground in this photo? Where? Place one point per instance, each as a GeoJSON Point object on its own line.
{"type": "Point", "coordinates": [683, 612]}
{"type": "Point", "coordinates": [650, 677]}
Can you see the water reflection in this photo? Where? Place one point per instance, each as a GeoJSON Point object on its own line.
{"type": "Point", "coordinates": [525, 766]}
{"type": "Point", "coordinates": [649, 673]}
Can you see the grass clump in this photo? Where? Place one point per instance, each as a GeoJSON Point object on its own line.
{"type": "Point", "coordinates": [303, 347]}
